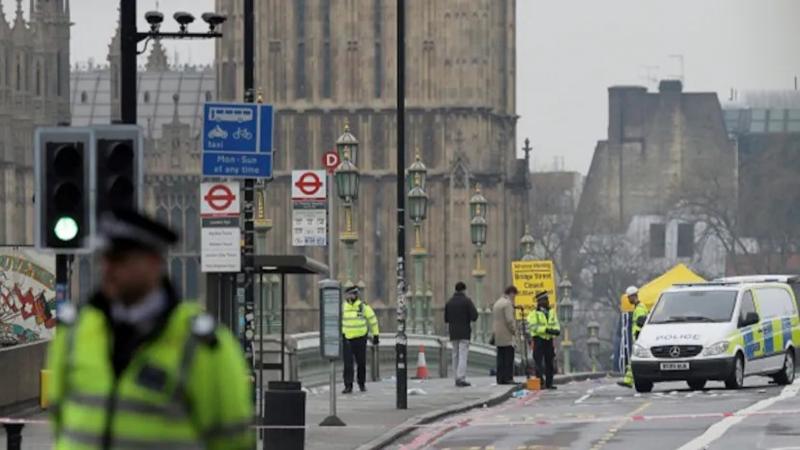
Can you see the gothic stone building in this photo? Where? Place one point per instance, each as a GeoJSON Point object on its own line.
{"type": "Point", "coordinates": [34, 91]}
{"type": "Point", "coordinates": [326, 63]}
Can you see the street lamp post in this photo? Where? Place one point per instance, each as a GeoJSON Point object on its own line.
{"type": "Point", "coordinates": [565, 312]}
{"type": "Point", "coordinates": [527, 242]}
{"type": "Point", "coordinates": [130, 37]}
{"type": "Point", "coordinates": [262, 226]}
{"type": "Point", "coordinates": [347, 182]}
{"type": "Point", "coordinates": [478, 226]}
{"type": "Point", "coordinates": [418, 209]}
{"type": "Point", "coordinates": [593, 343]}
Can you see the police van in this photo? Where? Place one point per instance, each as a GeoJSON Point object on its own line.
{"type": "Point", "coordinates": [723, 330]}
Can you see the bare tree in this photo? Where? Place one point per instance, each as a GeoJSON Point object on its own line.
{"type": "Point", "coordinates": [760, 227]}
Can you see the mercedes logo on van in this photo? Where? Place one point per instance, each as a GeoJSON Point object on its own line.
{"type": "Point", "coordinates": [675, 352]}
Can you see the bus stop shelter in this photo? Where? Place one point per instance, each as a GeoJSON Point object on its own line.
{"type": "Point", "coordinates": [226, 297]}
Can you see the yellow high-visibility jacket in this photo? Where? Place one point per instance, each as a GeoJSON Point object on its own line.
{"type": "Point", "coordinates": [639, 316]}
{"type": "Point", "coordinates": [358, 319]}
{"type": "Point", "coordinates": [182, 389]}
{"type": "Point", "coordinates": [539, 323]}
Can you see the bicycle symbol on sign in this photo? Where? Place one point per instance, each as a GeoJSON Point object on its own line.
{"type": "Point", "coordinates": [242, 133]}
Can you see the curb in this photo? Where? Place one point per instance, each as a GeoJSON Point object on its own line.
{"type": "Point", "coordinates": [413, 423]}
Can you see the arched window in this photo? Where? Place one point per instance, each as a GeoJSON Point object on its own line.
{"type": "Point", "coordinates": [161, 215]}
{"type": "Point", "coordinates": [59, 72]}
{"type": "Point", "coordinates": [192, 287]}
{"type": "Point", "coordinates": [176, 222]}
{"type": "Point", "coordinates": [208, 96]}
{"type": "Point", "coordinates": [176, 274]}
{"type": "Point", "coordinates": [147, 96]}
{"type": "Point", "coordinates": [84, 97]}
{"type": "Point", "coordinates": [38, 78]}
{"type": "Point", "coordinates": [192, 230]}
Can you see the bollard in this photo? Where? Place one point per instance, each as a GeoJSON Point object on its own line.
{"type": "Point", "coordinates": [443, 360]}
{"type": "Point", "coordinates": [13, 435]}
{"type": "Point", "coordinates": [44, 382]}
{"type": "Point", "coordinates": [375, 363]}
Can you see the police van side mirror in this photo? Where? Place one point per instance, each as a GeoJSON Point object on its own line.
{"type": "Point", "coordinates": [750, 319]}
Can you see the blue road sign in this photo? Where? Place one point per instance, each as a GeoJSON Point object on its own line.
{"type": "Point", "coordinates": [237, 140]}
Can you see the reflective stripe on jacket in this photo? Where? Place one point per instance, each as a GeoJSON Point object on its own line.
{"type": "Point", "coordinates": [539, 323]}
{"type": "Point", "coordinates": [178, 391]}
{"type": "Point", "coordinates": [358, 319]}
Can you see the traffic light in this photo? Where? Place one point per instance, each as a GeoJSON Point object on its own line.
{"type": "Point", "coordinates": [117, 168]}
{"type": "Point", "coordinates": [62, 193]}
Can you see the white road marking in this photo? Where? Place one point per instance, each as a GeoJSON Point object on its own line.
{"type": "Point", "coordinates": [589, 393]}
{"type": "Point", "coordinates": [717, 430]}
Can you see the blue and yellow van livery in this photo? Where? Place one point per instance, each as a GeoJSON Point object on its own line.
{"type": "Point", "coordinates": [722, 331]}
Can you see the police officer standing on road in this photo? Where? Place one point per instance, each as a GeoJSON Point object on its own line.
{"type": "Point", "coordinates": [137, 368]}
{"type": "Point", "coordinates": [358, 320]}
{"type": "Point", "coordinates": [640, 312]}
{"type": "Point", "coordinates": [543, 325]}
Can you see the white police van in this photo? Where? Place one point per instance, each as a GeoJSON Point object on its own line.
{"type": "Point", "coordinates": [723, 330]}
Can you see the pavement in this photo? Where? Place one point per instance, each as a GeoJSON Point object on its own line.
{"type": "Point", "coordinates": [598, 414]}
{"type": "Point", "coordinates": [371, 418]}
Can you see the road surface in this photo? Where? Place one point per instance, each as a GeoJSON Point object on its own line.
{"type": "Point", "coordinates": [596, 415]}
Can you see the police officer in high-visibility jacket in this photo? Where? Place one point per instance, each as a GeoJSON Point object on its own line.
{"type": "Point", "coordinates": [135, 367]}
{"type": "Point", "coordinates": [543, 326]}
{"type": "Point", "coordinates": [640, 312]}
{"type": "Point", "coordinates": [358, 320]}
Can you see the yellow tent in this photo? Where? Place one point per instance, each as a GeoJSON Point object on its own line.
{"type": "Point", "coordinates": [650, 292]}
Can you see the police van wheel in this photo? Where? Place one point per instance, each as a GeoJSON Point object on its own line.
{"type": "Point", "coordinates": [643, 386]}
{"type": "Point", "coordinates": [786, 375]}
{"type": "Point", "coordinates": [736, 379]}
{"type": "Point", "coordinates": [696, 385]}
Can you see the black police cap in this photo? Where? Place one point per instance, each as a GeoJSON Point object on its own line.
{"type": "Point", "coordinates": [124, 230]}
{"type": "Point", "coordinates": [542, 296]}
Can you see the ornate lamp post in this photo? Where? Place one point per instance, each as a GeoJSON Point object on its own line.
{"type": "Point", "coordinates": [418, 211]}
{"type": "Point", "coordinates": [593, 343]}
{"type": "Point", "coordinates": [477, 228]}
{"type": "Point", "coordinates": [565, 312]}
{"type": "Point", "coordinates": [347, 180]}
{"type": "Point", "coordinates": [347, 143]}
{"type": "Point", "coordinates": [527, 242]}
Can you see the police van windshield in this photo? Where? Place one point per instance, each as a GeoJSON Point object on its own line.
{"type": "Point", "coordinates": [694, 306]}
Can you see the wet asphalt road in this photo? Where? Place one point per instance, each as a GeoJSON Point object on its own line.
{"type": "Point", "coordinates": [596, 415]}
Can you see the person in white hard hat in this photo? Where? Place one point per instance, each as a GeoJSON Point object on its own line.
{"type": "Point", "coordinates": [640, 312]}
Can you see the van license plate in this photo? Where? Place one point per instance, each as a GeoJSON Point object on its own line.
{"type": "Point", "coordinates": [675, 366]}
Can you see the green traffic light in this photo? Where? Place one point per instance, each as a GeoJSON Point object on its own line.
{"type": "Point", "coordinates": [66, 229]}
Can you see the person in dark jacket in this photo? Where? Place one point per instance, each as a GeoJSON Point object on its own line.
{"type": "Point", "coordinates": [459, 313]}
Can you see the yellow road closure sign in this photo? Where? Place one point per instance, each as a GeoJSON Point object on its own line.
{"type": "Point", "coordinates": [530, 278]}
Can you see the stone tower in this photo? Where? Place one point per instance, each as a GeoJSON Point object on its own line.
{"type": "Point", "coordinates": [34, 91]}
{"type": "Point", "coordinates": [325, 63]}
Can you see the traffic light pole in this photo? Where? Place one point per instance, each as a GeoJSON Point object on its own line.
{"type": "Point", "coordinates": [401, 345]}
{"type": "Point", "coordinates": [246, 278]}
{"type": "Point", "coordinates": [62, 279]}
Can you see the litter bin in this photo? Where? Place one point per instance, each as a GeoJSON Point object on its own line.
{"type": "Point", "coordinates": [284, 406]}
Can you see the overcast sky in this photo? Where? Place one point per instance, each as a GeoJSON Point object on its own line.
{"type": "Point", "coordinates": [570, 51]}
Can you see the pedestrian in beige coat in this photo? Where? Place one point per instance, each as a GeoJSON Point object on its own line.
{"type": "Point", "coordinates": [505, 329]}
